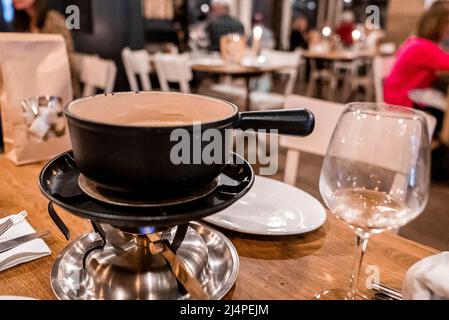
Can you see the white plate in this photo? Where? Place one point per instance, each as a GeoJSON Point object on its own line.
{"type": "Point", "coordinates": [10, 298]}
{"type": "Point", "coordinates": [272, 208]}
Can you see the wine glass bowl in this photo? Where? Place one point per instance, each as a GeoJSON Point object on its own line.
{"type": "Point", "coordinates": [376, 173]}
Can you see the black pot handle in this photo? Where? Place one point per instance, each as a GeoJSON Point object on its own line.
{"type": "Point", "coordinates": [298, 122]}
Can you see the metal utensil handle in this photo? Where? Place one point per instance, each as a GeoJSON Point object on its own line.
{"type": "Point", "coordinates": [13, 243]}
{"type": "Point", "coordinates": [387, 291]}
{"type": "Point", "coordinates": [5, 226]}
{"type": "Point", "coordinates": [158, 246]}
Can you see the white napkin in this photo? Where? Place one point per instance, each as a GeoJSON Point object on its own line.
{"type": "Point", "coordinates": [428, 279]}
{"type": "Point", "coordinates": [26, 252]}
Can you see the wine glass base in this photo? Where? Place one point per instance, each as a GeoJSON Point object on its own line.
{"type": "Point", "coordinates": [337, 294]}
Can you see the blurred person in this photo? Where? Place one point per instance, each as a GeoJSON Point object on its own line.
{"type": "Point", "coordinates": [222, 23]}
{"type": "Point", "coordinates": [418, 61]}
{"type": "Point", "coordinates": [198, 39]}
{"type": "Point", "coordinates": [441, 5]}
{"type": "Point", "coordinates": [35, 16]}
{"type": "Point", "coordinates": [267, 41]}
{"type": "Point", "coordinates": [299, 38]}
{"type": "Point", "coordinates": [346, 27]}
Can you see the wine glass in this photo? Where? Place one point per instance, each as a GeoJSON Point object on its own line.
{"type": "Point", "coordinates": [375, 175]}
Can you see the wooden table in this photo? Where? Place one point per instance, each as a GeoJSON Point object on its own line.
{"type": "Point", "coordinates": [270, 268]}
{"type": "Point", "coordinates": [239, 71]}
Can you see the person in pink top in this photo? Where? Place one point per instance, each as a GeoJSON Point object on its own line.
{"type": "Point", "coordinates": [417, 64]}
{"type": "Point", "coordinates": [418, 61]}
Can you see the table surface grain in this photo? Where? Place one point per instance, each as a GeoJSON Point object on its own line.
{"type": "Point", "coordinates": [294, 267]}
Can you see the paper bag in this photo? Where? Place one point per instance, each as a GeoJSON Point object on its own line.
{"type": "Point", "coordinates": [33, 66]}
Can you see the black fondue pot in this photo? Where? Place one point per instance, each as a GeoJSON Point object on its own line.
{"type": "Point", "coordinates": [118, 145]}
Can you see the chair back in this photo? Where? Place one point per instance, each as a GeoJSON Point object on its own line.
{"type": "Point", "coordinates": [137, 64]}
{"type": "Point", "coordinates": [77, 61]}
{"type": "Point", "coordinates": [291, 60]}
{"type": "Point", "coordinates": [277, 57]}
{"type": "Point", "coordinates": [97, 73]}
{"type": "Point", "coordinates": [327, 115]}
{"type": "Point", "coordinates": [173, 68]}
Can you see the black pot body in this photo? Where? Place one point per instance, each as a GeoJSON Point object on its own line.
{"type": "Point", "coordinates": [139, 160]}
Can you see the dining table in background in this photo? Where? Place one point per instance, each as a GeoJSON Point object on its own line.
{"type": "Point", "coordinates": [239, 71]}
{"type": "Point", "coordinates": [338, 55]}
{"type": "Point", "coordinates": [288, 268]}
{"type": "Point", "coordinates": [347, 59]}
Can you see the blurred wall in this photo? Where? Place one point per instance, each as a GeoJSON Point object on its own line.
{"type": "Point", "coordinates": [402, 18]}
{"type": "Point", "coordinates": [114, 25]}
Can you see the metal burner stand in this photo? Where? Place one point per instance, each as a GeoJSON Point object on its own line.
{"type": "Point", "coordinates": [133, 267]}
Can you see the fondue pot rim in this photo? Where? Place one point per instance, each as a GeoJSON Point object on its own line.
{"type": "Point", "coordinates": [215, 123]}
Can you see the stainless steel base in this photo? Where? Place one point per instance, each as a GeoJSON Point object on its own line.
{"type": "Point", "coordinates": [125, 269]}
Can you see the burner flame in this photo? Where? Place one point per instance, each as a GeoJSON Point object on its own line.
{"type": "Point", "coordinates": [147, 230]}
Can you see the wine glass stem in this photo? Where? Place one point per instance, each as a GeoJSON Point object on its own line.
{"type": "Point", "coordinates": [361, 243]}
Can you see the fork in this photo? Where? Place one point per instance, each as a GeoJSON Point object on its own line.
{"type": "Point", "coordinates": [12, 221]}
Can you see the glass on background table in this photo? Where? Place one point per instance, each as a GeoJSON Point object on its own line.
{"type": "Point", "coordinates": [375, 175]}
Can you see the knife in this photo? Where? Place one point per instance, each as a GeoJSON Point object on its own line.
{"type": "Point", "coordinates": [11, 244]}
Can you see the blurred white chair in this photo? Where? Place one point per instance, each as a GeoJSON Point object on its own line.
{"type": "Point", "coordinates": [325, 75]}
{"type": "Point", "coordinates": [137, 64]}
{"type": "Point", "coordinates": [382, 67]}
{"type": "Point", "coordinates": [281, 58]}
{"type": "Point", "coordinates": [77, 60]}
{"type": "Point", "coordinates": [97, 73]}
{"type": "Point", "coordinates": [327, 115]}
{"type": "Point", "coordinates": [349, 71]}
{"type": "Point", "coordinates": [173, 68]}
{"type": "Point", "coordinates": [354, 80]}
{"type": "Point", "coordinates": [269, 100]}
